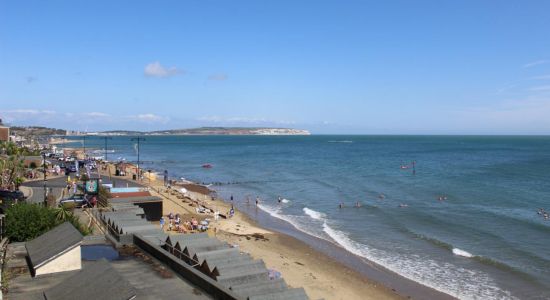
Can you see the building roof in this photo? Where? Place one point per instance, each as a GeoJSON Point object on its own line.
{"type": "Point", "coordinates": [139, 199]}
{"type": "Point", "coordinates": [97, 281]}
{"type": "Point", "coordinates": [53, 243]}
{"type": "Point", "coordinates": [131, 194]}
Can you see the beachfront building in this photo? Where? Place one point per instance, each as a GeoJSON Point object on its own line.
{"type": "Point", "coordinates": [4, 133]}
{"type": "Point", "coordinates": [57, 250]}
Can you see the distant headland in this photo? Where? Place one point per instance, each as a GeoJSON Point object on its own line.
{"type": "Point", "coordinates": [203, 131]}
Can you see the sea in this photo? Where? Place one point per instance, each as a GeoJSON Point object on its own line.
{"type": "Point", "coordinates": [458, 214]}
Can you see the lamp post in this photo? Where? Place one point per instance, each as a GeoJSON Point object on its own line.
{"type": "Point", "coordinates": [84, 145]}
{"type": "Point", "coordinates": [106, 138]}
{"type": "Point", "coordinates": [45, 179]}
{"type": "Point", "coordinates": [138, 139]}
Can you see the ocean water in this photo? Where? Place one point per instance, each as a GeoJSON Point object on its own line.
{"type": "Point", "coordinates": [484, 241]}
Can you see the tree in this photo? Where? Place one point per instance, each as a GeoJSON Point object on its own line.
{"type": "Point", "coordinates": [11, 167]}
{"type": "Point", "coordinates": [26, 221]}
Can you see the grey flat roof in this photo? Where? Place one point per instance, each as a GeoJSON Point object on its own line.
{"type": "Point", "coordinates": [49, 245]}
{"type": "Point", "coordinates": [139, 199]}
{"type": "Point", "coordinates": [97, 281]}
{"type": "Point", "coordinates": [173, 239]}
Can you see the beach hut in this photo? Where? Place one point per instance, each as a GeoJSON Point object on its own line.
{"type": "Point", "coordinates": [57, 250]}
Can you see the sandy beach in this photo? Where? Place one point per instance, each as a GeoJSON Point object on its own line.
{"type": "Point", "coordinates": [299, 264]}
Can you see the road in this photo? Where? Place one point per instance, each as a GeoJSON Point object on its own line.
{"type": "Point", "coordinates": [58, 184]}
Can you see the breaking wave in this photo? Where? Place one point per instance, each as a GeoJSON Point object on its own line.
{"type": "Point", "coordinates": [465, 284]}
{"type": "Point", "coordinates": [460, 252]}
{"type": "Point", "coordinates": [314, 214]}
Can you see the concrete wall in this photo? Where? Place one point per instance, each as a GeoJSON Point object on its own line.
{"type": "Point", "coordinates": [67, 262]}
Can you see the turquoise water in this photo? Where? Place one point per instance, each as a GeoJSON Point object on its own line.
{"type": "Point", "coordinates": [485, 241]}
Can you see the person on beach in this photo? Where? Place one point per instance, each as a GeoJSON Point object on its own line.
{"type": "Point", "coordinates": [247, 200]}
{"type": "Point", "coordinates": [231, 211]}
{"type": "Point", "coordinates": [257, 200]}
{"type": "Point", "coordinates": [170, 217]}
{"type": "Point", "coordinates": [341, 205]}
{"type": "Point", "coordinates": [161, 223]}
{"type": "Point", "coordinates": [178, 221]}
{"type": "Point", "coordinates": [231, 197]}
{"type": "Point", "coordinates": [357, 204]}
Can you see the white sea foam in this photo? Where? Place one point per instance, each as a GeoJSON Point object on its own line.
{"type": "Point", "coordinates": [301, 223]}
{"type": "Point", "coordinates": [285, 200]}
{"type": "Point", "coordinates": [340, 141]}
{"type": "Point", "coordinates": [459, 252]}
{"type": "Point", "coordinates": [314, 214]}
{"type": "Point", "coordinates": [442, 276]}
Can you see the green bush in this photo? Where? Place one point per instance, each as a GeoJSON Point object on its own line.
{"type": "Point", "coordinates": [27, 221]}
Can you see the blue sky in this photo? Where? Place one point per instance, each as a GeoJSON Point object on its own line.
{"type": "Point", "coordinates": [410, 67]}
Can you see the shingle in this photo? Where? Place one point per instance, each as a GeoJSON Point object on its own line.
{"type": "Point", "coordinates": [52, 243]}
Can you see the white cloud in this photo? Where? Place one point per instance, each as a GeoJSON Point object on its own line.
{"type": "Point", "coordinates": [25, 111]}
{"type": "Point", "coordinates": [155, 69]}
{"type": "Point", "coordinates": [536, 63]}
{"type": "Point", "coordinates": [97, 114]}
{"type": "Point", "coordinates": [218, 77]}
{"type": "Point", "coordinates": [149, 118]}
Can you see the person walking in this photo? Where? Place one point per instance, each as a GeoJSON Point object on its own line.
{"type": "Point", "coordinates": [161, 223]}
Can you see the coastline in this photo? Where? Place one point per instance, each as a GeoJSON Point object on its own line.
{"type": "Point", "coordinates": [324, 269]}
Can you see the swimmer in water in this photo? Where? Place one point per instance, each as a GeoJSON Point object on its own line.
{"type": "Point", "coordinates": [341, 205]}
{"type": "Point", "coordinates": [403, 205]}
{"type": "Point", "coordinates": [381, 196]}
{"type": "Point", "coordinates": [279, 199]}
{"type": "Point", "coordinates": [357, 204]}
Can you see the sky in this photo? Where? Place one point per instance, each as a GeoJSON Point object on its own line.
{"type": "Point", "coordinates": [356, 67]}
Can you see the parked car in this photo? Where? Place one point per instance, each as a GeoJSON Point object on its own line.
{"type": "Point", "coordinates": [78, 200]}
{"type": "Point", "coordinates": [12, 194]}
{"type": "Point", "coordinates": [71, 168]}
{"type": "Point", "coordinates": [9, 198]}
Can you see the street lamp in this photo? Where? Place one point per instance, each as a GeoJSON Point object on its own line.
{"type": "Point", "coordinates": [45, 179]}
{"type": "Point", "coordinates": [138, 139]}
